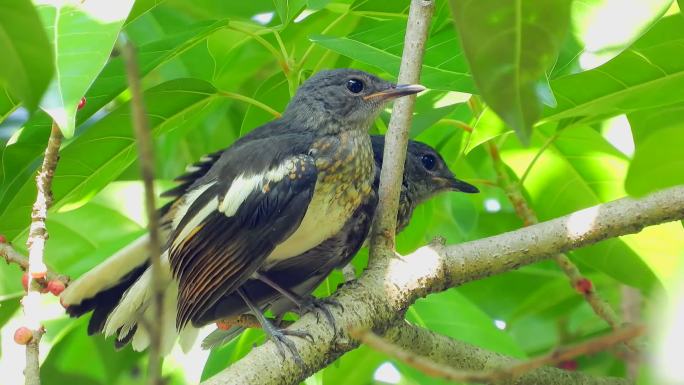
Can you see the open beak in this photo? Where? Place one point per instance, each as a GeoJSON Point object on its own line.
{"type": "Point", "coordinates": [395, 91]}
{"type": "Point", "coordinates": [459, 185]}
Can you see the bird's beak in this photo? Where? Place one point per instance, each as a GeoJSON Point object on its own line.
{"type": "Point", "coordinates": [395, 91]}
{"type": "Point", "coordinates": [457, 185]}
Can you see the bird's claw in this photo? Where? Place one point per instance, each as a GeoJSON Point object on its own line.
{"type": "Point", "coordinates": [321, 304]}
{"type": "Point", "coordinates": [281, 341]}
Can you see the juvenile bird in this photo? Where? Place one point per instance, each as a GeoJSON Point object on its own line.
{"type": "Point", "coordinates": [279, 191]}
{"type": "Point", "coordinates": [288, 284]}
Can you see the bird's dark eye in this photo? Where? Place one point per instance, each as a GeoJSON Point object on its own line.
{"type": "Point", "coordinates": [355, 85]}
{"type": "Point", "coordinates": [429, 161]}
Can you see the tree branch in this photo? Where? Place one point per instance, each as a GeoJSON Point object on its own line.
{"type": "Point", "coordinates": [142, 133]}
{"type": "Point", "coordinates": [36, 244]}
{"type": "Point", "coordinates": [388, 287]}
{"type": "Point", "coordinates": [396, 139]}
{"type": "Point", "coordinates": [472, 361]}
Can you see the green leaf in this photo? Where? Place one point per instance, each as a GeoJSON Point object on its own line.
{"type": "Point", "coordinates": [380, 45]}
{"type": "Point", "coordinates": [487, 126]}
{"type": "Point", "coordinates": [107, 148]}
{"type": "Point", "coordinates": [112, 80]}
{"type": "Point", "coordinates": [510, 45]}
{"type": "Point", "coordinates": [469, 323]}
{"type": "Point", "coordinates": [140, 8]}
{"type": "Point", "coordinates": [658, 161]}
{"type": "Point", "coordinates": [590, 45]}
{"type": "Point", "coordinates": [7, 104]}
{"type": "Point", "coordinates": [288, 9]}
{"type": "Point", "coordinates": [26, 67]}
{"type": "Point", "coordinates": [83, 35]}
{"type": "Point", "coordinates": [649, 74]}
{"type": "Point", "coordinates": [580, 169]}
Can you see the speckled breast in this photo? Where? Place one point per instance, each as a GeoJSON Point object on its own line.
{"type": "Point", "coordinates": [345, 178]}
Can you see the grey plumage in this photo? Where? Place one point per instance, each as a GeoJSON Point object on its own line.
{"type": "Point", "coordinates": [261, 201]}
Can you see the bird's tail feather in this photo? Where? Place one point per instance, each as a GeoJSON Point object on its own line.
{"type": "Point", "coordinates": [220, 337]}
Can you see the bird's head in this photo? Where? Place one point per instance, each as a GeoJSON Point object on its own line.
{"type": "Point", "coordinates": [346, 98]}
{"type": "Point", "coordinates": [426, 174]}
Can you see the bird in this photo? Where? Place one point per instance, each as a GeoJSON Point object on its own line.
{"type": "Point", "coordinates": [280, 190]}
{"type": "Point", "coordinates": [288, 285]}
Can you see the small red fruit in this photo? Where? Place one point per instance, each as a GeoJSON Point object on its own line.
{"type": "Point", "coordinates": [56, 287]}
{"type": "Point", "coordinates": [3, 239]}
{"type": "Point", "coordinates": [23, 335]}
{"type": "Point", "coordinates": [584, 286]}
{"type": "Point", "coordinates": [81, 103]}
{"type": "Point", "coordinates": [24, 281]}
{"type": "Point", "coordinates": [570, 365]}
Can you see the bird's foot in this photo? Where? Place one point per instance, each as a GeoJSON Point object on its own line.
{"type": "Point", "coordinates": [282, 342]}
{"type": "Point", "coordinates": [320, 305]}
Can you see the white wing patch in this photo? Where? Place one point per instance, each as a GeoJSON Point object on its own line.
{"type": "Point", "coordinates": [243, 185]}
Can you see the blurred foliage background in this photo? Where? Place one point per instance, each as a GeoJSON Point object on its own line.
{"type": "Point", "coordinates": [593, 86]}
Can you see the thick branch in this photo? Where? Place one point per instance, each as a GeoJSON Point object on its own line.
{"type": "Point", "coordinates": [142, 133]}
{"type": "Point", "coordinates": [461, 356]}
{"type": "Point", "coordinates": [396, 139]}
{"type": "Point", "coordinates": [381, 296]}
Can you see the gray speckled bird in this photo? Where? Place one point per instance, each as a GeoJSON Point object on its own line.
{"type": "Point", "coordinates": [281, 190]}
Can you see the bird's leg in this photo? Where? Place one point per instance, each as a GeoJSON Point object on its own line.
{"type": "Point", "coordinates": [278, 336]}
{"type": "Point", "coordinates": [309, 303]}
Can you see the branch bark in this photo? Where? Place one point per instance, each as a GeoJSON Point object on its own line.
{"type": "Point", "coordinates": [380, 297]}
{"type": "Point", "coordinates": [142, 133]}
{"type": "Point", "coordinates": [396, 138]}
{"type": "Point", "coordinates": [443, 350]}
{"type": "Point", "coordinates": [36, 244]}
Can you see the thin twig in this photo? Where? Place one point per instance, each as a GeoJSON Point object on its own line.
{"type": "Point", "coordinates": [466, 357]}
{"type": "Point", "coordinates": [434, 369]}
{"type": "Point", "coordinates": [142, 133]}
{"type": "Point", "coordinates": [11, 256]}
{"type": "Point", "coordinates": [36, 244]}
{"type": "Point", "coordinates": [528, 216]}
{"type": "Point", "coordinates": [396, 139]}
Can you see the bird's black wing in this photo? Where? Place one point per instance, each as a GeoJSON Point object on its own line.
{"type": "Point", "coordinates": [254, 198]}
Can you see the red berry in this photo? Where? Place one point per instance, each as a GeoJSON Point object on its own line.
{"type": "Point", "coordinates": [81, 103]}
{"type": "Point", "coordinates": [223, 325]}
{"type": "Point", "coordinates": [3, 239]}
{"type": "Point", "coordinates": [23, 335]}
{"type": "Point", "coordinates": [570, 365]}
{"type": "Point", "coordinates": [56, 287]}
{"type": "Point", "coordinates": [24, 281]}
{"type": "Point", "coordinates": [584, 286]}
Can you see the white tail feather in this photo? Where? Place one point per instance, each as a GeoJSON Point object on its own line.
{"type": "Point", "coordinates": [108, 273]}
{"type": "Point", "coordinates": [136, 300]}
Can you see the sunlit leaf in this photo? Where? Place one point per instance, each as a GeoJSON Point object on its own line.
{"type": "Point", "coordinates": [510, 45]}
{"type": "Point", "coordinates": [649, 74]}
{"type": "Point", "coordinates": [26, 67]}
{"type": "Point", "coordinates": [658, 162]}
{"type": "Point", "coordinates": [83, 35]}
